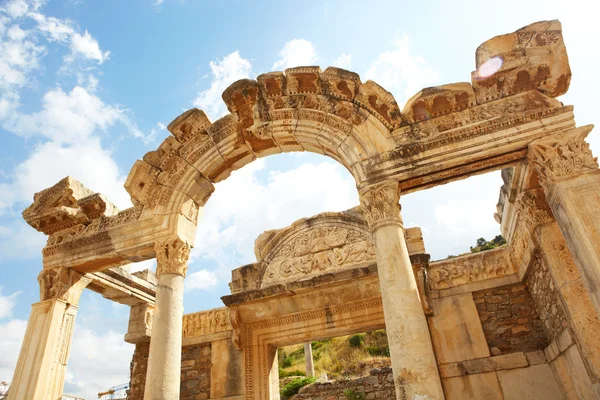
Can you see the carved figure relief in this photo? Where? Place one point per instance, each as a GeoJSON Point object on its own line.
{"type": "Point", "coordinates": [207, 322]}
{"type": "Point", "coordinates": [317, 251]}
{"type": "Point", "coordinates": [468, 269]}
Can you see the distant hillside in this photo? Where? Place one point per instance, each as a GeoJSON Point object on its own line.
{"type": "Point", "coordinates": [340, 357]}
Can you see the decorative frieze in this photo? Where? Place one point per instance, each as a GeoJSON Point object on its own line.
{"type": "Point", "coordinates": [172, 256]}
{"type": "Point", "coordinates": [380, 203]}
{"type": "Point", "coordinates": [562, 156]}
{"type": "Point", "coordinates": [471, 268]}
{"type": "Point", "coordinates": [207, 322]}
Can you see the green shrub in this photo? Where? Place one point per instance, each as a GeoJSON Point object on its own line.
{"type": "Point", "coordinates": [294, 386]}
{"type": "Point", "coordinates": [356, 340]}
{"type": "Point", "coordinates": [286, 363]}
{"type": "Point", "coordinates": [285, 374]}
{"type": "Point", "coordinates": [353, 395]}
{"type": "Point", "coordinates": [373, 351]}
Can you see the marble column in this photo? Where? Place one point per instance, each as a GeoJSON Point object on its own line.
{"type": "Point", "coordinates": [308, 360]}
{"type": "Point", "coordinates": [570, 177]}
{"type": "Point", "coordinates": [414, 365]}
{"type": "Point", "coordinates": [40, 370]}
{"type": "Point", "coordinates": [164, 360]}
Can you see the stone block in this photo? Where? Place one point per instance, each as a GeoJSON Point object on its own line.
{"type": "Point", "coordinates": [479, 386]}
{"type": "Point", "coordinates": [456, 331]}
{"type": "Point", "coordinates": [535, 382]}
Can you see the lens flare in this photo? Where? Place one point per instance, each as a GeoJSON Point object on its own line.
{"type": "Point", "coordinates": [489, 68]}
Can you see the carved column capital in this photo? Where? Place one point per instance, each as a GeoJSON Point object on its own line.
{"type": "Point", "coordinates": [562, 156]}
{"type": "Point", "coordinates": [532, 209]}
{"type": "Point", "coordinates": [172, 256]}
{"type": "Point", "coordinates": [380, 204]}
{"type": "Point", "coordinates": [62, 284]}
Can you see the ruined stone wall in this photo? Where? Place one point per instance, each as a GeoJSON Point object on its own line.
{"type": "Point", "coordinates": [195, 372]}
{"type": "Point", "coordinates": [510, 320]}
{"type": "Point", "coordinates": [138, 369]}
{"type": "Point", "coordinates": [378, 385]}
{"type": "Point", "coordinates": [547, 299]}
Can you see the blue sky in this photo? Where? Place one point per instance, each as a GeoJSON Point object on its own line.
{"type": "Point", "coordinates": [87, 87]}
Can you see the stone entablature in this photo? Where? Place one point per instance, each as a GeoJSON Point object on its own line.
{"type": "Point", "coordinates": [470, 268]}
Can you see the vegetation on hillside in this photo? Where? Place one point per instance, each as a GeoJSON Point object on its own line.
{"type": "Point", "coordinates": [341, 357]}
{"type": "Point", "coordinates": [483, 245]}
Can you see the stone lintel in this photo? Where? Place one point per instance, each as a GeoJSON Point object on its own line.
{"type": "Point", "coordinates": [489, 364]}
{"type": "Point", "coordinates": [120, 286]}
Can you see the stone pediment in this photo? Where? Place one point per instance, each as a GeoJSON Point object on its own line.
{"type": "Point", "coordinates": [64, 205]}
{"type": "Point", "coordinates": [325, 243]}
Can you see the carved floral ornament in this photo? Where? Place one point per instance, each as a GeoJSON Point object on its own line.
{"type": "Point", "coordinates": [62, 284]}
{"type": "Point", "coordinates": [562, 155]}
{"type": "Point", "coordinates": [380, 203]}
{"type": "Point", "coordinates": [530, 210]}
{"type": "Point", "coordinates": [172, 257]}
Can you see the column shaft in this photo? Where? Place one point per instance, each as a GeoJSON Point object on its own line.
{"type": "Point", "coordinates": [308, 360]}
{"type": "Point", "coordinates": [40, 370]}
{"type": "Point", "coordinates": [164, 361]}
{"type": "Point", "coordinates": [414, 365]}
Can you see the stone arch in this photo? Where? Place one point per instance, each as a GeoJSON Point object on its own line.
{"type": "Point", "coordinates": [327, 112]}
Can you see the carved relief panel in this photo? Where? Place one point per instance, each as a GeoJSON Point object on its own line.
{"type": "Point", "coordinates": [317, 251]}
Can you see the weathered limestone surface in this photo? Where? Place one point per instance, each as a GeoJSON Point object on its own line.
{"type": "Point", "coordinates": [359, 270]}
{"type": "Point", "coordinates": [163, 377]}
{"type": "Point", "coordinates": [456, 331]}
{"type": "Point", "coordinates": [569, 175]}
{"type": "Point", "coordinates": [413, 360]}
{"type": "Point", "coordinates": [535, 382]}
{"type": "Point", "coordinates": [42, 363]}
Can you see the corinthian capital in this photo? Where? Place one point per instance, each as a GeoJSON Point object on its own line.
{"type": "Point", "coordinates": [62, 284]}
{"type": "Point", "coordinates": [564, 155]}
{"type": "Point", "coordinates": [380, 203]}
{"type": "Point", "coordinates": [172, 257]}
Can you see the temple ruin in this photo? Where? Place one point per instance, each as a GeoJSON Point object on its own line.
{"type": "Point", "coordinates": [517, 322]}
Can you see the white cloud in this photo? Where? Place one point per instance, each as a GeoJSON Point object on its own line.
{"type": "Point", "coordinates": [7, 303]}
{"type": "Point", "coordinates": [12, 333]}
{"type": "Point", "coordinates": [66, 117]}
{"type": "Point", "coordinates": [229, 227]}
{"type": "Point", "coordinates": [296, 53]}
{"type": "Point", "coordinates": [20, 241]}
{"type": "Point", "coordinates": [224, 72]}
{"type": "Point", "coordinates": [97, 362]}
{"type": "Point", "coordinates": [87, 47]}
{"type": "Point", "coordinates": [200, 280]}
{"type": "Point", "coordinates": [343, 61]}
{"type": "Point", "coordinates": [402, 72]}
